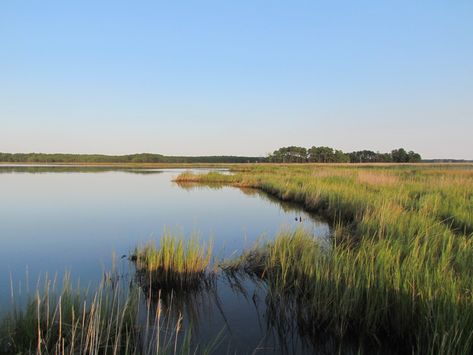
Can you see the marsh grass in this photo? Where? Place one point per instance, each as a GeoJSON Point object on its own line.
{"type": "Point", "coordinates": [112, 319]}
{"type": "Point", "coordinates": [174, 264]}
{"type": "Point", "coordinates": [400, 269]}
{"type": "Point", "coordinates": [357, 294]}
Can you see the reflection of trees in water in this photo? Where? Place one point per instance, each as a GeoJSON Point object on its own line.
{"type": "Point", "coordinates": [73, 169]}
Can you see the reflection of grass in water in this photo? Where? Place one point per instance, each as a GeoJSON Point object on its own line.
{"type": "Point", "coordinates": [190, 305]}
{"type": "Point", "coordinates": [189, 185]}
{"type": "Point", "coordinates": [211, 177]}
{"type": "Point", "coordinates": [66, 320]}
{"type": "Point", "coordinates": [174, 264]}
{"type": "Point", "coordinates": [286, 206]}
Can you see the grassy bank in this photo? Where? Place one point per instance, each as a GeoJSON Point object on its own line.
{"type": "Point", "coordinates": [401, 267]}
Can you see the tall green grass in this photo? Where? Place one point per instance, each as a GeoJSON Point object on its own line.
{"type": "Point", "coordinates": [401, 266]}
{"type": "Point", "coordinates": [174, 264]}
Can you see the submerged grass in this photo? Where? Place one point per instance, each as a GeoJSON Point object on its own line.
{"type": "Point", "coordinates": [401, 266]}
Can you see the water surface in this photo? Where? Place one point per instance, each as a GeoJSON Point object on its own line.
{"type": "Point", "coordinates": [60, 218]}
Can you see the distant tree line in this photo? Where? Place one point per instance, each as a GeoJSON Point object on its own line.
{"type": "Point", "coordinates": [131, 158]}
{"type": "Point", "coordinates": [314, 154]}
{"type": "Point", "coordinates": [290, 154]}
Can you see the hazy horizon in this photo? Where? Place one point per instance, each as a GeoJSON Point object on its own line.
{"type": "Point", "coordinates": [241, 78]}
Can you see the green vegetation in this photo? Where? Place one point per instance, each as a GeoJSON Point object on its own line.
{"type": "Point", "coordinates": [294, 154]}
{"type": "Point", "coordinates": [143, 158]}
{"type": "Point", "coordinates": [108, 321]}
{"type": "Point", "coordinates": [290, 154]}
{"type": "Point", "coordinates": [401, 266]}
{"type": "Point", "coordinates": [174, 264]}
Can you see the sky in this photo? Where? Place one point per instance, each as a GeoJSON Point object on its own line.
{"type": "Point", "coordinates": [236, 77]}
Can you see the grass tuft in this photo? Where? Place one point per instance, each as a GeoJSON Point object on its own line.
{"type": "Point", "coordinates": [174, 264]}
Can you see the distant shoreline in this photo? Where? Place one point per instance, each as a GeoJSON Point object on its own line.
{"type": "Point", "coordinates": [218, 165]}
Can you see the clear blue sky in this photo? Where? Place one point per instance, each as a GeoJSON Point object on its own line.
{"type": "Point", "coordinates": [236, 77]}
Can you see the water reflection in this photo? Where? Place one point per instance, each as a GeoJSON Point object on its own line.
{"type": "Point", "coordinates": [39, 169]}
{"type": "Point", "coordinates": [299, 212]}
{"type": "Point", "coordinates": [191, 305]}
{"type": "Point", "coordinates": [190, 186]}
{"type": "Point", "coordinates": [282, 322]}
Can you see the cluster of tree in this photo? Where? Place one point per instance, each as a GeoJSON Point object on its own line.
{"type": "Point", "coordinates": [132, 158]}
{"type": "Point", "coordinates": [295, 154]}
{"type": "Point", "coordinates": [290, 154]}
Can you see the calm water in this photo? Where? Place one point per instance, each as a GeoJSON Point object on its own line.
{"type": "Point", "coordinates": [55, 219]}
